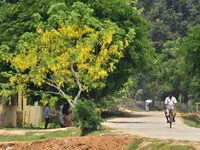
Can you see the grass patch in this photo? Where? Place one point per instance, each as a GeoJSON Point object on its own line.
{"type": "Point", "coordinates": [40, 135]}
{"type": "Point", "coordinates": [192, 123]}
{"type": "Point", "coordinates": [191, 120]}
{"type": "Point", "coordinates": [135, 144]}
{"type": "Point", "coordinates": [102, 131]}
{"type": "Point", "coordinates": [166, 146]}
{"type": "Point", "coordinates": [35, 136]}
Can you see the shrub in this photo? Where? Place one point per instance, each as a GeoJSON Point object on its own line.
{"type": "Point", "coordinates": [86, 116]}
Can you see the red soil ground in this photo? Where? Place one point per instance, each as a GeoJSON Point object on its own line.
{"type": "Point", "coordinates": [73, 143]}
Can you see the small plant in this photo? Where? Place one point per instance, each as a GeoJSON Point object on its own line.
{"type": "Point", "coordinates": [135, 144]}
{"type": "Point", "coordinates": [86, 116]}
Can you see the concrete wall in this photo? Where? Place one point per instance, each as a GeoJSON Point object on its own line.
{"type": "Point", "coordinates": [159, 105]}
{"type": "Point", "coordinates": [9, 115]}
{"type": "Point", "coordinates": [140, 103]}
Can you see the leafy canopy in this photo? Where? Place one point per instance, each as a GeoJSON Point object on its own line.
{"type": "Point", "coordinates": [72, 50]}
{"type": "Point", "coordinates": [192, 47]}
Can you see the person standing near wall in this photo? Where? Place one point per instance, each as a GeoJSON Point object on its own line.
{"type": "Point", "coordinates": [66, 113]}
{"type": "Point", "coordinates": [47, 115]}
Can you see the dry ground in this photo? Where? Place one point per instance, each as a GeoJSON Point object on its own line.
{"type": "Point", "coordinates": [73, 143]}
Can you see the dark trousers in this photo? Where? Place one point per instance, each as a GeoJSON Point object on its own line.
{"type": "Point", "coordinates": [46, 122]}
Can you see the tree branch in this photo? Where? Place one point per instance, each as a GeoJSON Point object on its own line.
{"type": "Point", "coordinates": [78, 83]}
{"type": "Point", "coordinates": [52, 83]}
{"type": "Point", "coordinates": [49, 92]}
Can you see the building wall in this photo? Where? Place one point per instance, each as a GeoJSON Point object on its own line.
{"type": "Point", "coordinates": [8, 119]}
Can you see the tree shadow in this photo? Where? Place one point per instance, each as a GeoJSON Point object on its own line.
{"type": "Point", "coordinates": [119, 114]}
{"type": "Point", "coordinates": [126, 122]}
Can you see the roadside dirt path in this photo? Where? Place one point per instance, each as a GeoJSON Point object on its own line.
{"type": "Point", "coordinates": [153, 124]}
{"type": "Point", "coordinates": [24, 131]}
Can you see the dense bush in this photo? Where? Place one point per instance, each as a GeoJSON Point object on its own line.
{"type": "Point", "coordinates": [86, 116]}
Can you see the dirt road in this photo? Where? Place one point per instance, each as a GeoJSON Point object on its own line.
{"type": "Point", "coordinates": [153, 124]}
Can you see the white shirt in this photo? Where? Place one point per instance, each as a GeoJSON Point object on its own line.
{"type": "Point", "coordinates": [170, 103]}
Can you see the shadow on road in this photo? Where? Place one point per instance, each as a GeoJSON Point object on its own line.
{"type": "Point", "coordinates": [132, 122]}
{"type": "Point", "coordinates": [138, 115]}
{"type": "Point", "coordinates": [120, 114]}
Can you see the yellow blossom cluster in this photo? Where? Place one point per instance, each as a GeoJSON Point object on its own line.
{"type": "Point", "coordinates": [92, 53]}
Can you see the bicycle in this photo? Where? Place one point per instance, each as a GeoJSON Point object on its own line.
{"type": "Point", "coordinates": [171, 116]}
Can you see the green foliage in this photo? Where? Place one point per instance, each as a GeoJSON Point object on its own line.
{"type": "Point", "coordinates": [176, 63]}
{"type": "Point", "coordinates": [173, 67]}
{"type": "Point", "coordinates": [38, 136]}
{"type": "Point", "coordinates": [192, 47]}
{"type": "Point", "coordinates": [170, 19]}
{"type": "Point", "coordinates": [70, 50]}
{"type": "Point", "coordinates": [15, 20]}
{"type": "Point", "coordinates": [192, 120]}
{"type": "Point", "coordinates": [26, 16]}
{"type": "Point", "coordinates": [119, 96]}
{"type": "Point", "coordinates": [135, 144]}
{"type": "Point", "coordinates": [87, 116]}
{"type": "Point", "coordinates": [155, 74]}
{"type": "Point", "coordinates": [193, 117]}
{"type": "Point", "coordinates": [102, 131]}
{"type": "Point", "coordinates": [139, 93]}
{"type": "Point", "coordinates": [191, 106]}
{"type": "Point", "coordinates": [153, 144]}
{"type": "Point", "coordinates": [139, 54]}
{"type": "Point", "coordinates": [166, 146]}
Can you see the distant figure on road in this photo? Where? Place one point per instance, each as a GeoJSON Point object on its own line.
{"type": "Point", "coordinates": [47, 115]}
{"type": "Point", "coordinates": [170, 102]}
{"type": "Point", "coordinates": [148, 104]}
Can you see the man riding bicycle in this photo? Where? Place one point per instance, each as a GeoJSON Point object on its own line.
{"type": "Point", "coordinates": [170, 103]}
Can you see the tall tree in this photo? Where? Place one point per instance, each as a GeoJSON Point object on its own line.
{"type": "Point", "coordinates": [15, 20]}
{"type": "Point", "coordinates": [25, 16]}
{"type": "Point", "coordinates": [170, 19]}
{"type": "Point", "coordinates": [71, 50]}
{"type": "Point", "coordinates": [139, 54]}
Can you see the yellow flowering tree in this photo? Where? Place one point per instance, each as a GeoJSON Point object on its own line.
{"type": "Point", "coordinates": [72, 54]}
